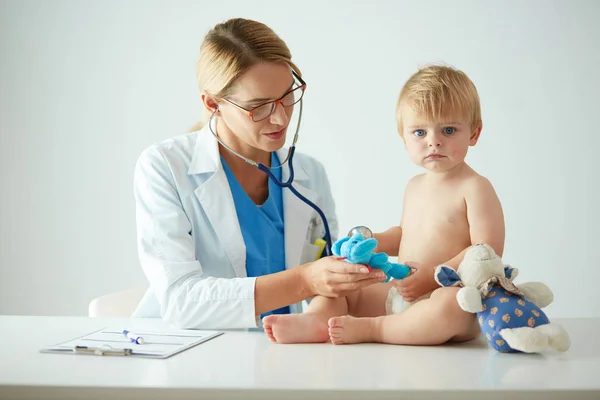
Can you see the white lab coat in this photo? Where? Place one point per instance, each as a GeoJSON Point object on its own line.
{"type": "Point", "coordinates": [190, 243]}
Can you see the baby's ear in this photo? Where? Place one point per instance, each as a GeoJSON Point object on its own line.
{"type": "Point", "coordinates": [337, 246]}
{"type": "Point", "coordinates": [447, 276]}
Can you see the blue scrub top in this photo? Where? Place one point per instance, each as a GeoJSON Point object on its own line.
{"type": "Point", "coordinates": [262, 227]}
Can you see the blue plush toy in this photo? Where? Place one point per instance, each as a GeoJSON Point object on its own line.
{"type": "Point", "coordinates": [358, 250]}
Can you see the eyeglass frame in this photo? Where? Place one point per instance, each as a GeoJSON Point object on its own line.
{"type": "Point", "coordinates": [250, 113]}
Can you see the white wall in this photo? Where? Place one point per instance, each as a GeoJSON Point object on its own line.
{"type": "Point", "coordinates": [85, 86]}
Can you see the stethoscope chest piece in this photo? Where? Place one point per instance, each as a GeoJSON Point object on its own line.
{"type": "Point", "coordinates": [363, 230]}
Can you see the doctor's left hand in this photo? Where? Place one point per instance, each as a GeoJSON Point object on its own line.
{"type": "Point", "coordinates": [334, 277]}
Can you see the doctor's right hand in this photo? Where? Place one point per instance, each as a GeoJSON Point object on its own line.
{"type": "Point", "coordinates": [334, 277]}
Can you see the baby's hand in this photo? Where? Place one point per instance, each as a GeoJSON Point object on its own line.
{"type": "Point", "coordinates": [419, 283]}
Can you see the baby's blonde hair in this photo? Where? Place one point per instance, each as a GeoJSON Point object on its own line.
{"type": "Point", "coordinates": [230, 49]}
{"type": "Point", "coordinates": [436, 92]}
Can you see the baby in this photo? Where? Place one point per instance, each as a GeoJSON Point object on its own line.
{"type": "Point", "coordinates": [445, 210]}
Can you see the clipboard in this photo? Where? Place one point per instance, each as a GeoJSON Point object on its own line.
{"type": "Point", "coordinates": [112, 342]}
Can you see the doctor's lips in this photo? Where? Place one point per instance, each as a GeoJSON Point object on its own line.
{"type": "Point", "coordinates": [276, 135]}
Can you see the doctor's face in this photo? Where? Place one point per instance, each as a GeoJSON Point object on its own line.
{"type": "Point", "coordinates": [249, 125]}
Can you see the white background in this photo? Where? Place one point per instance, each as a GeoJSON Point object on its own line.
{"type": "Point", "coordinates": [86, 86]}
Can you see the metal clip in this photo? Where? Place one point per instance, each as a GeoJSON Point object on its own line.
{"type": "Point", "coordinates": [105, 350]}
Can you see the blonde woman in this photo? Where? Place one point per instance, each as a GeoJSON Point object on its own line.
{"type": "Point", "coordinates": [220, 243]}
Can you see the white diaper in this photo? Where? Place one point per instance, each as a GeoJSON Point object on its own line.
{"type": "Point", "coordinates": [394, 303]}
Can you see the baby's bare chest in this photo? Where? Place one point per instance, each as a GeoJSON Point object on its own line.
{"type": "Point", "coordinates": [434, 226]}
{"type": "Point", "coordinates": [441, 212]}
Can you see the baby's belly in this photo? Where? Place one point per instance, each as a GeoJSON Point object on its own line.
{"type": "Point", "coordinates": [432, 246]}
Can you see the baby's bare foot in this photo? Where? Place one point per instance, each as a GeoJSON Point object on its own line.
{"type": "Point", "coordinates": [347, 330]}
{"type": "Point", "coordinates": [296, 328]}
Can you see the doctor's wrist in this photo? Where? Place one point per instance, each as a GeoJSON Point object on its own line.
{"type": "Point", "coordinates": [306, 286]}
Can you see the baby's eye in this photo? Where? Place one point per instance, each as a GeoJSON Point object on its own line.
{"type": "Point", "coordinates": [449, 130]}
{"type": "Point", "coordinates": [419, 132]}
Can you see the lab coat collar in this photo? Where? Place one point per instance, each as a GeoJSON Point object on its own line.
{"type": "Point", "coordinates": [206, 158]}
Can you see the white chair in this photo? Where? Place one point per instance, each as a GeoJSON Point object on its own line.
{"type": "Point", "coordinates": [118, 304]}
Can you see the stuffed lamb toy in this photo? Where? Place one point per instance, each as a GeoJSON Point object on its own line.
{"type": "Point", "coordinates": [510, 316]}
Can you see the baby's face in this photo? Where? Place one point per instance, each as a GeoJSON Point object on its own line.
{"type": "Point", "coordinates": [438, 146]}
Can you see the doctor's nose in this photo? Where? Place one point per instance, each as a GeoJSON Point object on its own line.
{"type": "Point", "coordinates": [279, 116]}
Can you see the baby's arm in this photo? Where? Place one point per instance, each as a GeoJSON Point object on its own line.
{"type": "Point", "coordinates": [389, 241]}
{"type": "Point", "coordinates": [485, 218]}
{"type": "Point", "coordinates": [485, 215]}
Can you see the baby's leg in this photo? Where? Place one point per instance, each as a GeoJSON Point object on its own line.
{"type": "Point", "coordinates": [369, 301]}
{"type": "Point", "coordinates": [432, 321]}
{"type": "Point", "coordinates": [309, 327]}
{"type": "Point", "coordinates": [312, 326]}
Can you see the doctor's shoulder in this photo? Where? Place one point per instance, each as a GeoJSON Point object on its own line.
{"type": "Point", "coordinates": [176, 151]}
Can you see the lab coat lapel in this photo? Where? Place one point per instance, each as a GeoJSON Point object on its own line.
{"type": "Point", "coordinates": [217, 201]}
{"type": "Point", "coordinates": [297, 214]}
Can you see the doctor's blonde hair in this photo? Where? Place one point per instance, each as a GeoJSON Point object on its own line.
{"type": "Point", "coordinates": [230, 49]}
{"type": "Point", "coordinates": [438, 92]}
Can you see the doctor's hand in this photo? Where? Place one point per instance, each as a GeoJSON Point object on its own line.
{"type": "Point", "coordinates": [334, 277]}
{"type": "Point", "coordinates": [417, 284]}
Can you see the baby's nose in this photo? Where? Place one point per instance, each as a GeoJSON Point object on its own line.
{"type": "Point", "coordinates": [435, 140]}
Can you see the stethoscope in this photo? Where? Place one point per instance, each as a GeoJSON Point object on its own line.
{"type": "Point", "coordinates": [287, 184]}
{"type": "Point", "coordinates": [366, 232]}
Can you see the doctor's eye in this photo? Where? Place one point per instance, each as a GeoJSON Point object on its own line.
{"type": "Point", "coordinates": [449, 130]}
{"type": "Point", "coordinates": [419, 132]}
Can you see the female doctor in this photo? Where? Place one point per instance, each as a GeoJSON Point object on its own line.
{"type": "Point", "coordinates": [220, 243]}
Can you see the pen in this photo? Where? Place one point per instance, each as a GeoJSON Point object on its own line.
{"type": "Point", "coordinates": [133, 338]}
{"type": "Point", "coordinates": [320, 243]}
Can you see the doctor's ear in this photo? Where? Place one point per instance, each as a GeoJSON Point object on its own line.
{"type": "Point", "coordinates": [209, 102]}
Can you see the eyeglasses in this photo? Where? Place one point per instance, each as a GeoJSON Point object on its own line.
{"type": "Point", "coordinates": [264, 110]}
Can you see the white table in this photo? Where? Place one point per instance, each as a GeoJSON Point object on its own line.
{"type": "Point", "coordinates": [246, 365]}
